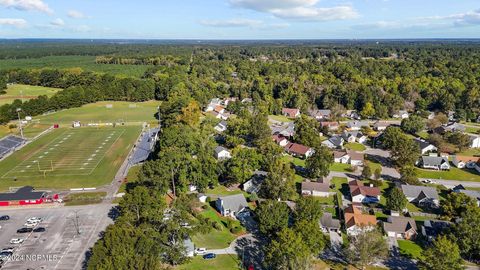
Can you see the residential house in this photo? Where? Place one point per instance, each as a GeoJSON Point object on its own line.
{"type": "Point", "coordinates": [354, 136]}
{"type": "Point", "coordinates": [255, 183]}
{"type": "Point", "coordinates": [431, 115]}
{"type": "Point", "coordinates": [202, 197]}
{"type": "Point", "coordinates": [402, 114]}
{"type": "Point", "coordinates": [357, 222]}
{"type": "Point", "coordinates": [299, 150]}
{"type": "Point", "coordinates": [477, 166]}
{"type": "Point", "coordinates": [320, 114]}
{"type": "Point", "coordinates": [334, 142]}
{"type": "Point", "coordinates": [341, 156]}
{"type": "Point", "coordinates": [286, 129]}
{"type": "Point", "coordinates": [222, 153]}
{"type": "Point", "coordinates": [450, 127]}
{"type": "Point", "coordinates": [400, 228]}
{"type": "Point", "coordinates": [433, 228]}
{"type": "Point", "coordinates": [472, 194]}
{"type": "Point", "coordinates": [291, 113]}
{"type": "Point", "coordinates": [221, 127]}
{"type": "Point", "coordinates": [379, 125]}
{"type": "Point", "coordinates": [316, 189]}
{"type": "Point", "coordinates": [328, 223]}
{"type": "Point", "coordinates": [465, 161]}
{"type": "Point", "coordinates": [435, 163]}
{"type": "Point", "coordinates": [474, 141]}
{"type": "Point", "coordinates": [356, 158]}
{"type": "Point", "coordinates": [231, 206]}
{"type": "Point", "coordinates": [280, 140]}
{"type": "Point", "coordinates": [352, 114]}
{"type": "Point", "coordinates": [421, 195]}
{"type": "Point", "coordinates": [214, 102]}
{"type": "Point", "coordinates": [424, 146]}
{"type": "Point", "coordinates": [356, 125]}
{"type": "Point", "coordinates": [363, 194]}
{"type": "Point", "coordinates": [330, 125]}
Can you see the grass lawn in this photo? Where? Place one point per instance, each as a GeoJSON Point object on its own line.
{"type": "Point", "coordinates": [216, 239]}
{"type": "Point", "coordinates": [221, 262]}
{"type": "Point", "coordinates": [99, 113]}
{"type": "Point", "coordinates": [69, 158]}
{"type": "Point", "coordinates": [423, 134]}
{"type": "Point", "coordinates": [280, 118]}
{"type": "Point", "coordinates": [410, 249]}
{"type": "Point", "coordinates": [453, 174]}
{"type": "Point", "coordinates": [25, 92]}
{"type": "Point", "coordinates": [132, 177]}
{"type": "Point", "coordinates": [86, 63]}
{"type": "Point", "coordinates": [330, 200]}
{"type": "Point", "coordinates": [355, 146]}
{"type": "Point", "coordinates": [84, 198]}
{"type": "Point", "coordinates": [470, 152]}
{"type": "Point", "coordinates": [340, 167]}
{"type": "Point", "coordinates": [473, 130]}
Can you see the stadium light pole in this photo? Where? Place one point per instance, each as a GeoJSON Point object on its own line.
{"type": "Point", "coordinates": [20, 122]}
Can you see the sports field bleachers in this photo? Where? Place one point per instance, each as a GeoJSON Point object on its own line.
{"type": "Point", "coordinates": [9, 144]}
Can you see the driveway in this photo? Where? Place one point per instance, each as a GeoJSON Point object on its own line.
{"type": "Point", "coordinates": [336, 241]}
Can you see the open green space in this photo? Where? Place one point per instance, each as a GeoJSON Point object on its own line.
{"type": "Point", "coordinates": [280, 118]}
{"type": "Point", "coordinates": [215, 239]}
{"type": "Point", "coordinates": [84, 198]}
{"type": "Point", "coordinates": [474, 130]}
{"type": "Point", "coordinates": [452, 174]}
{"type": "Point", "coordinates": [69, 158]}
{"type": "Point", "coordinates": [410, 249]}
{"type": "Point", "coordinates": [132, 177]}
{"type": "Point", "coordinates": [340, 167]}
{"type": "Point", "coordinates": [355, 146]}
{"type": "Point", "coordinates": [221, 262]}
{"type": "Point", "coordinates": [25, 92]}
{"type": "Point", "coordinates": [470, 152]}
{"type": "Point", "coordinates": [100, 113]}
{"type": "Point", "coordinates": [86, 63]}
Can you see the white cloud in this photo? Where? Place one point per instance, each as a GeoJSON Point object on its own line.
{"type": "Point", "coordinates": [27, 5]}
{"type": "Point", "coordinates": [298, 9]}
{"type": "Point", "coordinates": [57, 22]}
{"type": "Point", "coordinates": [232, 23]}
{"type": "Point", "coordinates": [76, 14]}
{"type": "Point", "coordinates": [19, 23]}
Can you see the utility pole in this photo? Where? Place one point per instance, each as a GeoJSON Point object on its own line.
{"type": "Point", "coordinates": [20, 122]}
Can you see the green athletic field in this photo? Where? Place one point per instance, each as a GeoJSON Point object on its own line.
{"type": "Point", "coordinates": [25, 92]}
{"type": "Point", "coordinates": [69, 158]}
{"type": "Point", "coordinates": [100, 113]}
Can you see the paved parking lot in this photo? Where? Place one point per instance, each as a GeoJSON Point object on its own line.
{"type": "Point", "coordinates": [60, 246]}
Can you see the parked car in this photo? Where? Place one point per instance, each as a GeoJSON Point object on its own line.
{"type": "Point", "coordinates": [200, 251]}
{"type": "Point", "coordinates": [5, 254]}
{"type": "Point", "coordinates": [34, 219]}
{"type": "Point", "coordinates": [4, 217]}
{"type": "Point", "coordinates": [30, 224]}
{"type": "Point", "coordinates": [8, 249]}
{"type": "Point", "coordinates": [39, 229]}
{"type": "Point", "coordinates": [24, 230]}
{"type": "Point", "coordinates": [16, 241]}
{"type": "Point", "coordinates": [209, 256]}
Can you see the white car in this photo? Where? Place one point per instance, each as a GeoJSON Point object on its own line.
{"type": "Point", "coordinates": [200, 251]}
{"type": "Point", "coordinates": [16, 241]}
{"type": "Point", "coordinates": [31, 224]}
{"type": "Point", "coordinates": [34, 219]}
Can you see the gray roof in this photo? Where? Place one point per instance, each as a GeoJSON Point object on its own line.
{"type": "Point", "coordinates": [434, 161]}
{"type": "Point", "coordinates": [421, 143]}
{"type": "Point", "coordinates": [219, 149]}
{"type": "Point", "coordinates": [358, 124]}
{"type": "Point", "coordinates": [235, 202]}
{"type": "Point", "coordinates": [399, 224]}
{"type": "Point", "coordinates": [328, 221]}
{"type": "Point", "coordinates": [336, 140]}
{"type": "Point", "coordinates": [412, 191]}
{"type": "Point", "coordinates": [471, 193]}
{"type": "Point", "coordinates": [316, 186]}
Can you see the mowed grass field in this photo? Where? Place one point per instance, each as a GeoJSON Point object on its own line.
{"type": "Point", "coordinates": [99, 113]}
{"type": "Point", "coordinates": [69, 158]}
{"type": "Point", "coordinates": [25, 92]}
{"type": "Point", "coordinates": [86, 63]}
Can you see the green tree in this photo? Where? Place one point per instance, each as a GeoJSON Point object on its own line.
{"type": "Point", "coordinates": [366, 248]}
{"type": "Point", "coordinates": [288, 251]}
{"type": "Point", "coordinates": [311, 234]}
{"type": "Point", "coordinates": [442, 255]}
{"type": "Point", "coordinates": [366, 172]}
{"type": "Point", "coordinates": [408, 175]}
{"type": "Point", "coordinates": [396, 200]}
{"type": "Point", "coordinates": [307, 131]}
{"type": "Point", "coordinates": [368, 110]}
{"type": "Point", "coordinates": [318, 164]}
{"type": "Point", "coordinates": [280, 182]}
{"type": "Point", "coordinates": [456, 204]}
{"type": "Point", "coordinates": [377, 173]}
{"type": "Point", "coordinates": [308, 209]}
{"type": "Point", "coordinates": [404, 151]}
{"type": "Point", "coordinates": [413, 124]}
{"type": "Point", "coordinates": [272, 216]}
{"type": "Point", "coordinates": [467, 233]}
{"type": "Point", "coordinates": [242, 165]}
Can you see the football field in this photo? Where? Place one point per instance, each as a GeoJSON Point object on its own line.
{"type": "Point", "coordinates": [69, 158]}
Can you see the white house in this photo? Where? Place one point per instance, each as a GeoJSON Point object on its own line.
{"type": "Point", "coordinates": [425, 147]}
{"type": "Point", "coordinates": [214, 102]}
{"type": "Point", "coordinates": [280, 140]}
{"type": "Point", "coordinates": [465, 161]}
{"type": "Point", "coordinates": [354, 136]}
{"type": "Point", "coordinates": [474, 141]}
{"type": "Point", "coordinates": [231, 206]}
{"type": "Point", "coordinates": [356, 222]}
{"type": "Point", "coordinates": [76, 124]}
{"type": "Point", "coordinates": [316, 189]}
{"type": "Point", "coordinates": [435, 163]}
{"type": "Point", "coordinates": [221, 127]}
{"type": "Point", "coordinates": [402, 114]}
{"type": "Point", "coordinates": [341, 157]}
{"type": "Point", "coordinates": [222, 153]}
{"type": "Point", "coordinates": [363, 194]}
{"type": "Point", "coordinates": [334, 142]}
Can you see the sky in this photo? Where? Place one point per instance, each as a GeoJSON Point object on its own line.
{"type": "Point", "coordinates": [240, 19]}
